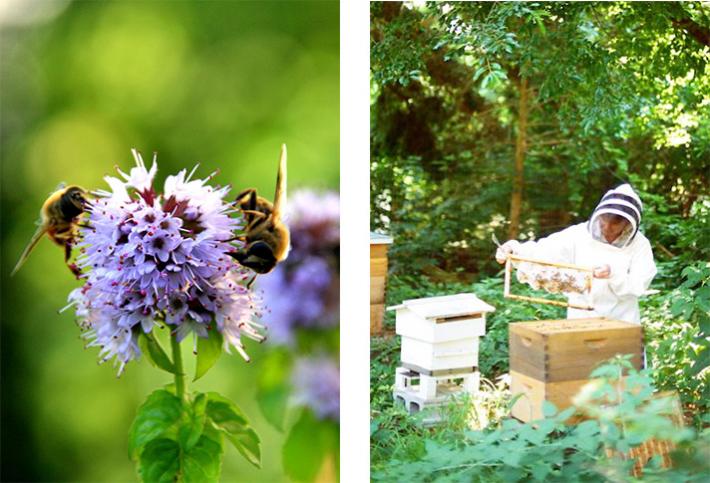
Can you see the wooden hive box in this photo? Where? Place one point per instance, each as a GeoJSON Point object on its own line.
{"type": "Point", "coordinates": [440, 334]}
{"type": "Point", "coordinates": [551, 360]}
{"type": "Point", "coordinates": [378, 278]}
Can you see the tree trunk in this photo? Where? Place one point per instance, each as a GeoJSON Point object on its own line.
{"type": "Point", "coordinates": [516, 199]}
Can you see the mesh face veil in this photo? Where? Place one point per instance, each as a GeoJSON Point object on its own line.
{"type": "Point", "coordinates": [621, 201]}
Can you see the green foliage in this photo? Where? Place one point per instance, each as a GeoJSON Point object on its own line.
{"type": "Point", "coordinates": [308, 445]}
{"type": "Point", "coordinates": [203, 462]}
{"type": "Point", "coordinates": [274, 387]}
{"type": "Point", "coordinates": [193, 422]}
{"type": "Point", "coordinates": [208, 351]}
{"type": "Point", "coordinates": [154, 352]}
{"type": "Point", "coordinates": [160, 461]}
{"type": "Point", "coordinates": [677, 325]}
{"type": "Point", "coordinates": [617, 92]}
{"type": "Point", "coordinates": [157, 416]}
{"type": "Point", "coordinates": [226, 417]}
{"type": "Point", "coordinates": [163, 461]}
{"type": "Point", "coordinates": [174, 440]}
{"type": "Point", "coordinates": [554, 449]}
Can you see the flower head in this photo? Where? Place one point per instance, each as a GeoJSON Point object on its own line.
{"type": "Point", "coordinates": [314, 220]}
{"type": "Point", "coordinates": [316, 384]}
{"type": "Point", "coordinates": [150, 257]}
{"type": "Point", "coordinates": [310, 274]}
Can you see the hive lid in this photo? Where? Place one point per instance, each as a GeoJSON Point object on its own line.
{"type": "Point", "coordinates": [380, 239]}
{"type": "Point", "coordinates": [550, 327]}
{"type": "Point", "coordinates": [446, 306]}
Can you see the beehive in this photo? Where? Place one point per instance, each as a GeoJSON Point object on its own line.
{"type": "Point", "coordinates": [378, 278]}
{"type": "Point", "coordinates": [440, 334]}
{"type": "Point", "coordinates": [551, 360]}
{"type": "Point", "coordinates": [439, 350]}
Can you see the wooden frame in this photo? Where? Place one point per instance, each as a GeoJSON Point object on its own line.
{"type": "Point", "coordinates": [506, 285]}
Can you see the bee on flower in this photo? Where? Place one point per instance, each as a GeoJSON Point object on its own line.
{"type": "Point", "coordinates": [149, 258]}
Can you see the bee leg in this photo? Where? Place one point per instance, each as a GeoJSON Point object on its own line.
{"type": "Point", "coordinates": [247, 203]}
{"type": "Point", "coordinates": [75, 270]}
{"type": "Point", "coordinates": [72, 266]}
{"type": "Point", "coordinates": [244, 194]}
{"type": "Point", "coordinates": [255, 213]}
{"type": "Point", "coordinates": [246, 199]}
{"type": "Point", "coordinates": [254, 218]}
{"type": "Point", "coordinates": [251, 282]}
{"type": "Point", "coordinates": [241, 238]}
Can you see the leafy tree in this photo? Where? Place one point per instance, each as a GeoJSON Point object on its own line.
{"type": "Point", "coordinates": [515, 117]}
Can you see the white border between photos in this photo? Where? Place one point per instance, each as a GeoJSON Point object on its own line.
{"type": "Point", "coordinates": [354, 241]}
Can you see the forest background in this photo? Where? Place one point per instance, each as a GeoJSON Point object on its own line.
{"type": "Point", "coordinates": [513, 119]}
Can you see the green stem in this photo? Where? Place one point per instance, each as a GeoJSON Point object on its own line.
{"type": "Point", "coordinates": [177, 362]}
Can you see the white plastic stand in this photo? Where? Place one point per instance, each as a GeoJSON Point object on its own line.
{"type": "Point", "coordinates": [418, 391]}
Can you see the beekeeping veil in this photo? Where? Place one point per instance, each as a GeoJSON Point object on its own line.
{"type": "Point", "coordinates": [622, 201]}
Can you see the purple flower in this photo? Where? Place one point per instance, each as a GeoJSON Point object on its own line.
{"type": "Point", "coordinates": [310, 273]}
{"type": "Point", "coordinates": [314, 220]}
{"type": "Point", "coordinates": [150, 257]}
{"type": "Point", "coordinates": [316, 383]}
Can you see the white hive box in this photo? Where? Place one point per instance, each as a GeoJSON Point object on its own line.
{"type": "Point", "coordinates": [440, 334]}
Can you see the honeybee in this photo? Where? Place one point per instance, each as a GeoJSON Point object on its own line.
{"type": "Point", "coordinates": [58, 219]}
{"type": "Point", "coordinates": [266, 237]}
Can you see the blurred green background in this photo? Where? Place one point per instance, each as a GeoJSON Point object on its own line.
{"type": "Point", "coordinates": [219, 83]}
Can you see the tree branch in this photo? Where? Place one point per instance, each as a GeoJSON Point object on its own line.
{"type": "Point", "coordinates": [698, 32]}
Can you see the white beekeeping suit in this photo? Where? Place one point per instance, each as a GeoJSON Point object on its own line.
{"type": "Point", "coordinates": [629, 257]}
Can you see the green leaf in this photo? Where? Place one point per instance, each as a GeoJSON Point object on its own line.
{"type": "Point", "coordinates": [587, 429]}
{"type": "Point", "coordinates": [160, 461]}
{"type": "Point", "coordinates": [208, 351]}
{"type": "Point", "coordinates": [702, 361]}
{"type": "Point", "coordinates": [229, 419]}
{"type": "Point", "coordinates": [680, 306]}
{"type": "Point", "coordinates": [204, 461]}
{"type": "Point", "coordinates": [541, 26]}
{"type": "Point", "coordinates": [155, 417]}
{"type": "Point", "coordinates": [540, 470]}
{"type": "Point", "coordinates": [193, 422]}
{"type": "Point", "coordinates": [479, 72]}
{"type": "Point", "coordinates": [307, 446]}
{"type": "Point", "coordinates": [566, 414]}
{"type": "Point", "coordinates": [273, 403]}
{"type": "Point", "coordinates": [154, 352]}
{"type": "Point", "coordinates": [702, 299]}
{"type": "Point", "coordinates": [703, 324]}
{"type": "Point", "coordinates": [273, 388]}
{"type": "Point", "coordinates": [548, 409]}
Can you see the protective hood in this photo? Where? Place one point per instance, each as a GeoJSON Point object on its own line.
{"type": "Point", "coordinates": [622, 201]}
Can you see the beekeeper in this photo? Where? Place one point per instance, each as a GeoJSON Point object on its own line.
{"type": "Point", "coordinates": [611, 243]}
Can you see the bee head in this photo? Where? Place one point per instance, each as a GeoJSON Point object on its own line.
{"type": "Point", "coordinates": [76, 195]}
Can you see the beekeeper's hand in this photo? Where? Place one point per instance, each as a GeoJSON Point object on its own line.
{"type": "Point", "coordinates": [602, 271]}
{"type": "Point", "coordinates": [506, 249]}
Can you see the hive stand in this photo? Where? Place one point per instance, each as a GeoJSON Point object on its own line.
{"type": "Point", "coordinates": [418, 391]}
{"type": "Point", "coordinates": [439, 352]}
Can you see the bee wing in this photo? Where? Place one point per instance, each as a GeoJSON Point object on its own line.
{"type": "Point", "coordinates": [279, 205]}
{"type": "Point", "coordinates": [41, 230]}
